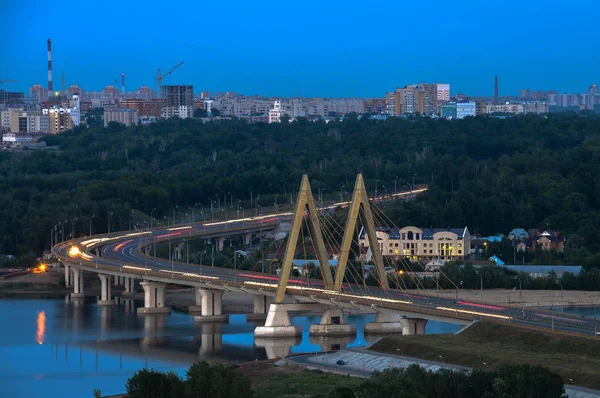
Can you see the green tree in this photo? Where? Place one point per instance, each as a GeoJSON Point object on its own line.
{"type": "Point", "coordinates": [216, 381]}
{"type": "Point", "coordinates": [148, 383]}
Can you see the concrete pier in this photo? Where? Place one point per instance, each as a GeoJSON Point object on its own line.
{"type": "Point", "coordinates": [261, 308]}
{"type": "Point", "coordinates": [220, 244]}
{"type": "Point", "coordinates": [68, 276]}
{"type": "Point", "coordinates": [77, 283]}
{"type": "Point", "coordinates": [333, 323]}
{"type": "Point", "coordinates": [154, 299]}
{"type": "Point", "coordinates": [386, 322]}
{"type": "Point", "coordinates": [414, 326]}
{"type": "Point", "coordinates": [210, 339]}
{"type": "Point", "coordinates": [279, 347]}
{"type": "Point", "coordinates": [211, 306]}
{"type": "Point", "coordinates": [247, 239]}
{"type": "Point", "coordinates": [105, 290]}
{"type": "Point", "coordinates": [129, 284]}
{"type": "Point", "coordinates": [278, 323]}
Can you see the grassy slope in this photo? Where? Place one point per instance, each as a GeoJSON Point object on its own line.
{"type": "Point", "coordinates": [576, 359]}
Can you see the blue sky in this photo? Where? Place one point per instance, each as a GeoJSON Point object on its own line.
{"type": "Point", "coordinates": [322, 48]}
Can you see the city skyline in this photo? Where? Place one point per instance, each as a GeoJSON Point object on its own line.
{"type": "Point", "coordinates": [263, 50]}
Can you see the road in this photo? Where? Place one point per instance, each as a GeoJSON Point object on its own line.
{"type": "Point", "coordinates": [121, 254]}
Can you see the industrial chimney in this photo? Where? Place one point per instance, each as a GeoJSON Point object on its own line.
{"type": "Point", "coordinates": [49, 67]}
{"type": "Point", "coordinates": [496, 91]}
{"type": "Point", "coordinates": [123, 84]}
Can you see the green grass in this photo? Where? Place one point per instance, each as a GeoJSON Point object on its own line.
{"type": "Point", "coordinates": [306, 383]}
{"type": "Point", "coordinates": [576, 359]}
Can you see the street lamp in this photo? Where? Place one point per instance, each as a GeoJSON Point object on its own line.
{"type": "Point", "coordinates": [481, 279]}
{"type": "Point", "coordinates": [193, 208]}
{"type": "Point", "coordinates": [174, 208]}
{"type": "Point", "coordinates": [92, 217]}
{"type": "Point", "coordinates": [130, 217]}
{"type": "Point", "coordinates": [152, 216]}
{"type": "Point", "coordinates": [109, 214]}
{"type": "Point", "coordinates": [520, 295]}
{"type": "Point", "coordinates": [413, 186]}
{"type": "Point", "coordinates": [250, 196]}
{"type": "Point", "coordinates": [376, 181]}
{"type": "Point", "coordinates": [395, 184]}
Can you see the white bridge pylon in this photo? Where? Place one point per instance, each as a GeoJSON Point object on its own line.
{"type": "Point", "coordinates": [360, 202]}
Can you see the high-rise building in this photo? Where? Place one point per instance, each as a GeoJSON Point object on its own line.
{"type": "Point", "coordinates": [149, 108]}
{"type": "Point", "coordinates": [60, 119]}
{"type": "Point", "coordinates": [464, 109]}
{"type": "Point", "coordinates": [525, 94]}
{"type": "Point", "coordinates": [7, 97]}
{"type": "Point", "coordinates": [204, 94]}
{"type": "Point", "coordinates": [128, 117]}
{"type": "Point", "coordinates": [38, 93]}
{"type": "Point", "coordinates": [276, 113]}
{"type": "Point", "coordinates": [177, 101]}
{"type": "Point", "coordinates": [442, 92]}
{"type": "Point", "coordinates": [593, 90]}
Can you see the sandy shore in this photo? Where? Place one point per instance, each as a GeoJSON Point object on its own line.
{"type": "Point", "coordinates": [525, 298]}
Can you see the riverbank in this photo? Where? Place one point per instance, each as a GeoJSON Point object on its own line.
{"type": "Point", "coordinates": [486, 344]}
{"type": "Point", "coordinates": [36, 286]}
{"type": "Point", "coordinates": [524, 298]}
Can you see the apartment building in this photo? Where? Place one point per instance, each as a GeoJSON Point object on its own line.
{"type": "Point", "coordinates": [422, 244]}
{"type": "Point", "coordinates": [128, 117]}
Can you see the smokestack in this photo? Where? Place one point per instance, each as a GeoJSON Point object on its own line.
{"type": "Point", "coordinates": [123, 84]}
{"type": "Point", "coordinates": [496, 90]}
{"type": "Point", "coordinates": [49, 67]}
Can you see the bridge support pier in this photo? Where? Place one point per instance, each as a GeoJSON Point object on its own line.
{"type": "Point", "coordinates": [129, 285]}
{"type": "Point", "coordinates": [212, 306]}
{"type": "Point", "coordinates": [280, 347]}
{"type": "Point", "coordinates": [220, 244]}
{"type": "Point", "coordinates": [247, 239]}
{"type": "Point", "coordinates": [387, 322]}
{"type": "Point", "coordinates": [77, 283]}
{"type": "Point", "coordinates": [414, 326]}
{"type": "Point", "coordinates": [154, 299]}
{"type": "Point", "coordinates": [105, 290]}
{"type": "Point", "coordinates": [211, 339]}
{"type": "Point", "coordinates": [261, 308]}
{"type": "Point", "coordinates": [278, 324]}
{"type": "Point", "coordinates": [333, 323]}
{"type": "Point", "coordinates": [68, 278]}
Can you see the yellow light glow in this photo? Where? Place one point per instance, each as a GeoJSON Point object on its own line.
{"type": "Point", "coordinates": [136, 268]}
{"type": "Point", "coordinates": [74, 251]}
{"type": "Point", "coordinates": [179, 228]}
{"type": "Point", "coordinates": [41, 327]}
{"type": "Point", "coordinates": [474, 313]}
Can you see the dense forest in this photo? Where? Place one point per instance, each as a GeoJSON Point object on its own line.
{"type": "Point", "coordinates": [487, 173]}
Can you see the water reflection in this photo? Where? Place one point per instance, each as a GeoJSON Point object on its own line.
{"type": "Point", "coordinates": [41, 327]}
{"type": "Point", "coordinates": [53, 347]}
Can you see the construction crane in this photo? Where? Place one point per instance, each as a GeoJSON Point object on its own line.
{"type": "Point", "coordinates": [7, 81]}
{"type": "Point", "coordinates": [160, 77]}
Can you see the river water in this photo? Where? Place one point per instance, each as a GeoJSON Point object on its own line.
{"type": "Point", "coordinates": [57, 349]}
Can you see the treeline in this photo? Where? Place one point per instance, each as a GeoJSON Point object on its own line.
{"type": "Point", "coordinates": [203, 380]}
{"type": "Point", "coordinates": [486, 173]}
{"type": "Point", "coordinates": [465, 276]}
{"type": "Point", "coordinates": [518, 381]}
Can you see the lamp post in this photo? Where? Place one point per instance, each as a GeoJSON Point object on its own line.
{"type": "Point", "coordinates": [341, 193]}
{"type": "Point", "coordinates": [91, 218]}
{"type": "Point", "coordinates": [109, 214]}
{"type": "Point", "coordinates": [174, 208]}
{"type": "Point", "coordinates": [376, 182]}
{"type": "Point", "coordinates": [193, 209]}
{"type": "Point", "coordinates": [130, 217]}
{"type": "Point", "coordinates": [73, 228]}
{"type": "Point", "coordinates": [413, 185]}
{"type": "Point", "coordinates": [480, 278]}
{"type": "Point", "coordinates": [62, 231]}
{"type": "Point", "coordinates": [432, 173]}
{"type": "Point", "coordinates": [395, 184]}
{"type": "Point", "coordinates": [152, 216]}
{"type": "Point", "coordinates": [520, 295]}
{"type": "Point", "coordinates": [250, 196]}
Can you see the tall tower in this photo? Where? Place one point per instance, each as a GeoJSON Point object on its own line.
{"type": "Point", "coordinates": [496, 90]}
{"type": "Point", "coordinates": [49, 67]}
